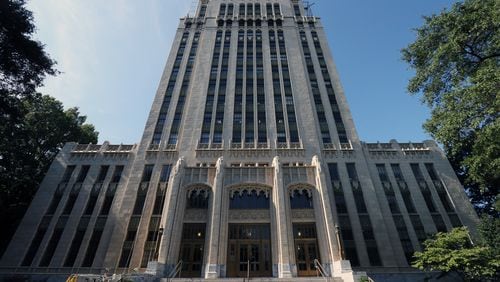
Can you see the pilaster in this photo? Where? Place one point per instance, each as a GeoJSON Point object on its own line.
{"type": "Point", "coordinates": [283, 228]}
{"type": "Point", "coordinates": [214, 264]}
{"type": "Point", "coordinates": [165, 261]}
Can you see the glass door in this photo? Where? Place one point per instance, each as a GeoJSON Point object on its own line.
{"type": "Point", "coordinates": [306, 248]}
{"type": "Point", "coordinates": [249, 252]}
{"type": "Point", "coordinates": [192, 246]}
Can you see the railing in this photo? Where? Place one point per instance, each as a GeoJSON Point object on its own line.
{"type": "Point", "coordinates": [320, 270]}
{"type": "Point", "coordinates": [176, 271]}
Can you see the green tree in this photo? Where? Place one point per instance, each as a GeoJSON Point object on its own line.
{"type": "Point", "coordinates": [457, 69]}
{"type": "Point", "coordinates": [33, 127]}
{"type": "Point", "coordinates": [455, 252]}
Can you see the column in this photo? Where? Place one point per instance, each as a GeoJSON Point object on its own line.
{"type": "Point", "coordinates": [213, 265]}
{"type": "Point", "coordinates": [282, 226]}
{"type": "Point", "coordinates": [335, 263]}
{"type": "Point", "coordinates": [165, 261]}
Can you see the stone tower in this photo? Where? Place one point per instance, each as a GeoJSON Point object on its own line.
{"type": "Point", "coordinates": [249, 164]}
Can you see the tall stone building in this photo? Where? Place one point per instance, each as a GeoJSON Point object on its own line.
{"type": "Point", "coordinates": [249, 164]}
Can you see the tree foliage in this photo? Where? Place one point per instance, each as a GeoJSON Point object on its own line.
{"type": "Point", "coordinates": [33, 127]}
{"type": "Point", "coordinates": [456, 57]}
{"type": "Point", "coordinates": [455, 252]}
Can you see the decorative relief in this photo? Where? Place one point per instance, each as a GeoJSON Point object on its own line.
{"type": "Point", "coordinates": [303, 214]}
{"type": "Point", "coordinates": [197, 190]}
{"type": "Point", "coordinates": [300, 189]}
{"type": "Point", "coordinates": [249, 188]}
{"type": "Point", "coordinates": [249, 215]}
{"type": "Point", "coordinates": [195, 215]}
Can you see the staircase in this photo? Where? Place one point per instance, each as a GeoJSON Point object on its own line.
{"type": "Point", "coordinates": [256, 279]}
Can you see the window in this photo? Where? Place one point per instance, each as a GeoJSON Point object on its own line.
{"type": "Point", "coordinates": [67, 173]}
{"type": "Point", "coordinates": [198, 200]}
{"type": "Point", "coordinates": [102, 173]}
{"type": "Point", "coordinates": [147, 173]}
{"type": "Point", "coordinates": [249, 200]}
{"type": "Point", "coordinates": [301, 199]}
{"type": "Point", "coordinates": [51, 247]}
{"type": "Point", "coordinates": [117, 174]}
{"type": "Point", "coordinates": [165, 173]}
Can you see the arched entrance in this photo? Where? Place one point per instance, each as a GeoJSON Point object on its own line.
{"type": "Point", "coordinates": [249, 238]}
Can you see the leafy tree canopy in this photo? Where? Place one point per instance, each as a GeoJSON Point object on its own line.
{"type": "Point", "coordinates": [23, 62]}
{"type": "Point", "coordinates": [455, 252]}
{"type": "Point", "coordinates": [33, 128]}
{"type": "Point", "coordinates": [456, 58]}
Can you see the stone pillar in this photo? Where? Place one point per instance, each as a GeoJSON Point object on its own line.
{"type": "Point", "coordinates": [165, 263]}
{"type": "Point", "coordinates": [335, 263]}
{"type": "Point", "coordinates": [282, 226]}
{"type": "Point", "coordinates": [213, 265]}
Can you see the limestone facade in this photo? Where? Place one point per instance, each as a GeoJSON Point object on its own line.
{"type": "Point", "coordinates": [249, 108]}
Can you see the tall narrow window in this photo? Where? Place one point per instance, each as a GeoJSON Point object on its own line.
{"type": "Point", "coordinates": [440, 189]}
{"type": "Point", "coordinates": [277, 10]}
{"type": "Point", "coordinates": [249, 89]}
{"type": "Point", "coordinates": [77, 241]}
{"type": "Point", "coordinates": [242, 10]}
{"type": "Point", "coordinates": [35, 243]}
{"type": "Point", "coordinates": [261, 95]}
{"type": "Point", "coordinates": [211, 92]}
{"type": "Point", "coordinates": [344, 219]}
{"type": "Point", "coordinates": [296, 10]}
{"type": "Point", "coordinates": [162, 117]}
{"type": "Point", "coordinates": [320, 110]}
{"type": "Point", "coordinates": [221, 96]}
{"type": "Point", "coordinates": [238, 94]}
{"type": "Point", "coordinates": [203, 11]}
{"type": "Point", "coordinates": [396, 214]}
{"type": "Point", "coordinates": [222, 10]}
{"type": "Point", "coordinates": [342, 134]}
{"type": "Point", "coordinates": [287, 88]}
{"type": "Point", "coordinates": [278, 104]}
{"type": "Point", "coordinates": [174, 129]}
{"type": "Point", "coordinates": [364, 218]}
{"type": "Point", "coordinates": [427, 194]}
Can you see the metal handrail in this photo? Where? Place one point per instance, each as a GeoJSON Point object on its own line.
{"type": "Point", "coordinates": [177, 270]}
{"type": "Point", "coordinates": [320, 269]}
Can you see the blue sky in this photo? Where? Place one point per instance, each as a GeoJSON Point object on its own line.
{"type": "Point", "coordinates": [112, 53]}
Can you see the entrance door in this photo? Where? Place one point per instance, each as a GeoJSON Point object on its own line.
{"type": "Point", "coordinates": [249, 250]}
{"type": "Point", "coordinates": [306, 248]}
{"type": "Point", "coordinates": [192, 246]}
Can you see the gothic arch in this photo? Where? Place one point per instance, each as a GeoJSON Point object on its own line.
{"type": "Point", "coordinates": [197, 189]}
{"type": "Point", "coordinates": [249, 188]}
{"type": "Point", "coordinates": [301, 188]}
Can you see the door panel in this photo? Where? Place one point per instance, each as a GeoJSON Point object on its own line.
{"type": "Point", "coordinates": [249, 251]}
{"type": "Point", "coordinates": [306, 248]}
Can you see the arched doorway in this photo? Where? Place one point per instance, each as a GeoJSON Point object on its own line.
{"type": "Point", "coordinates": [304, 229]}
{"type": "Point", "coordinates": [249, 238]}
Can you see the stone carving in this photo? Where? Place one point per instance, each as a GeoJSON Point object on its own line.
{"type": "Point", "coordinates": [249, 215]}
{"type": "Point", "coordinates": [249, 188]}
{"type": "Point", "coordinates": [300, 189]}
{"type": "Point", "coordinates": [315, 162]}
{"type": "Point", "coordinates": [197, 190]}
{"type": "Point", "coordinates": [276, 164]}
{"type": "Point", "coordinates": [219, 165]}
{"type": "Point", "coordinates": [303, 214]}
{"type": "Point", "coordinates": [195, 215]}
{"type": "Point", "coordinates": [178, 166]}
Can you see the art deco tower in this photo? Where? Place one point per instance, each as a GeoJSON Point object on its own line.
{"type": "Point", "coordinates": [249, 164]}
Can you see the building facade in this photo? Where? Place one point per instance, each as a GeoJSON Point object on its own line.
{"type": "Point", "coordinates": [249, 164]}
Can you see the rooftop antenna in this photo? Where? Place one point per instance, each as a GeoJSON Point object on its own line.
{"type": "Point", "coordinates": [308, 9]}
